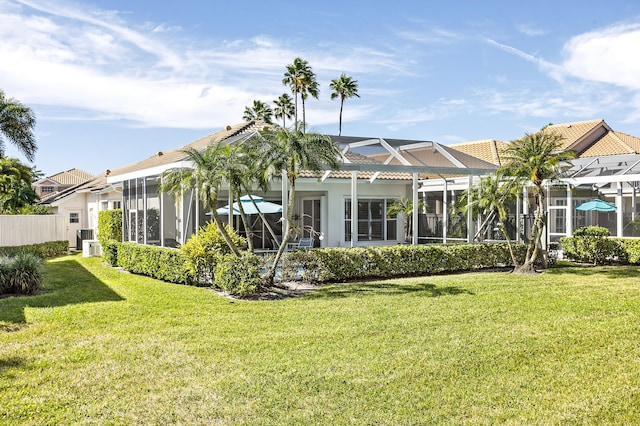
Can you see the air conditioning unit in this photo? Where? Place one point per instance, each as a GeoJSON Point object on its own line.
{"type": "Point", "coordinates": [90, 248]}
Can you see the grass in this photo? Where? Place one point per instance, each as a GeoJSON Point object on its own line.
{"type": "Point", "coordinates": [102, 346]}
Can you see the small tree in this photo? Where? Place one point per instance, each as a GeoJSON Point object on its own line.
{"type": "Point", "coordinates": [531, 161]}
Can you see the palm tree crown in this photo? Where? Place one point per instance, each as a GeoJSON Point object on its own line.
{"type": "Point", "coordinates": [258, 111]}
{"type": "Point", "coordinates": [284, 108]}
{"type": "Point", "coordinates": [16, 124]}
{"type": "Point", "coordinates": [343, 87]}
{"type": "Point", "coordinates": [302, 80]}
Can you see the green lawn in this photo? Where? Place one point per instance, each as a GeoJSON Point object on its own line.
{"type": "Point", "coordinates": [104, 347]}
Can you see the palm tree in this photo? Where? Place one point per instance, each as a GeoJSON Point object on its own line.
{"type": "Point", "coordinates": [302, 80]}
{"type": "Point", "coordinates": [490, 199]}
{"type": "Point", "coordinates": [209, 171]}
{"type": "Point", "coordinates": [344, 87]}
{"type": "Point", "coordinates": [258, 111]}
{"type": "Point", "coordinates": [291, 151]}
{"type": "Point", "coordinates": [16, 124]}
{"type": "Point", "coordinates": [284, 108]}
{"type": "Point", "coordinates": [16, 191]}
{"type": "Point", "coordinates": [532, 160]}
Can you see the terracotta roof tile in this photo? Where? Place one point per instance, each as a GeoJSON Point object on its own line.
{"type": "Point", "coordinates": [176, 154]}
{"type": "Point", "coordinates": [609, 144]}
{"type": "Point", "coordinates": [71, 177]}
{"type": "Point", "coordinates": [488, 150]}
{"type": "Point", "coordinates": [575, 131]}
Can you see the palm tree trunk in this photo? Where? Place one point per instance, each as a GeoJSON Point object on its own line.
{"type": "Point", "coordinates": [304, 117]}
{"type": "Point", "coordinates": [340, 125]}
{"type": "Point", "coordinates": [221, 229]}
{"type": "Point", "coordinates": [245, 223]}
{"type": "Point", "coordinates": [287, 236]}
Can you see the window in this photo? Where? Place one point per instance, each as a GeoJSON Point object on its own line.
{"type": "Point", "coordinates": [47, 189]}
{"type": "Point", "coordinates": [74, 218]}
{"type": "Point", "coordinates": [117, 205]}
{"type": "Point", "coordinates": [374, 224]}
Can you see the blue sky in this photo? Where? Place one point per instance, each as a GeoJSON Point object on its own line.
{"type": "Point", "coordinates": [112, 82]}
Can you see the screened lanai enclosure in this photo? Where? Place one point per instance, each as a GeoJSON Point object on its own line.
{"type": "Point", "coordinates": [378, 173]}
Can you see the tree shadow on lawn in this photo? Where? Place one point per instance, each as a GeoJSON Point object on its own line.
{"type": "Point", "coordinates": [376, 288]}
{"type": "Point", "coordinates": [66, 283]}
{"type": "Point", "coordinates": [587, 270]}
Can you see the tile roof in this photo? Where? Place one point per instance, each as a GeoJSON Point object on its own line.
{"type": "Point", "coordinates": [176, 154]}
{"type": "Point", "coordinates": [608, 144]}
{"type": "Point", "coordinates": [98, 183]}
{"type": "Point", "coordinates": [71, 177]}
{"type": "Point", "coordinates": [488, 150]}
{"type": "Point", "coordinates": [575, 132]}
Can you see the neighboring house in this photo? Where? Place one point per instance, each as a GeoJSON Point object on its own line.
{"type": "Point", "coordinates": [81, 203]}
{"type": "Point", "coordinates": [58, 182]}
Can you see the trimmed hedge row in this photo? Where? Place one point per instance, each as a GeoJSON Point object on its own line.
{"type": "Point", "coordinates": [599, 250]}
{"type": "Point", "coordinates": [166, 264]}
{"type": "Point", "coordinates": [42, 250]}
{"type": "Point", "coordinates": [342, 264]}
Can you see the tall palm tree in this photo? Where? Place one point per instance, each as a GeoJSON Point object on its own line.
{"type": "Point", "coordinates": [284, 108]}
{"type": "Point", "coordinates": [16, 191]}
{"type": "Point", "coordinates": [16, 124]}
{"type": "Point", "coordinates": [302, 80]}
{"type": "Point", "coordinates": [533, 160]}
{"type": "Point", "coordinates": [292, 151]}
{"type": "Point", "coordinates": [344, 87]}
{"type": "Point", "coordinates": [209, 170]}
{"type": "Point", "coordinates": [258, 111]}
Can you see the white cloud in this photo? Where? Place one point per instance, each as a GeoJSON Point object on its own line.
{"type": "Point", "coordinates": [552, 70]}
{"type": "Point", "coordinates": [67, 56]}
{"type": "Point", "coordinates": [608, 55]}
{"type": "Point", "coordinates": [530, 30]}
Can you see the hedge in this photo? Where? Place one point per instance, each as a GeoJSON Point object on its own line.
{"type": "Point", "coordinates": [599, 250]}
{"type": "Point", "coordinates": [42, 250]}
{"type": "Point", "coordinates": [163, 263]}
{"type": "Point", "coordinates": [109, 225]}
{"type": "Point", "coordinates": [342, 264]}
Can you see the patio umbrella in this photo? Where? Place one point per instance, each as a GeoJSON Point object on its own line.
{"type": "Point", "coordinates": [264, 207]}
{"type": "Point", "coordinates": [597, 205]}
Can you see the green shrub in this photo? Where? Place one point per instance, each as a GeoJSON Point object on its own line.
{"type": "Point", "coordinates": [629, 250]}
{"type": "Point", "coordinates": [591, 244]}
{"type": "Point", "coordinates": [110, 252]}
{"type": "Point", "coordinates": [341, 264]}
{"type": "Point", "coordinates": [163, 263]}
{"type": "Point", "coordinates": [21, 274]}
{"type": "Point", "coordinates": [42, 250]}
{"type": "Point", "coordinates": [203, 249]}
{"type": "Point", "coordinates": [239, 276]}
{"type": "Point", "coordinates": [109, 225]}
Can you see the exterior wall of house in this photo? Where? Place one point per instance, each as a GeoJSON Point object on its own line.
{"type": "Point", "coordinates": [81, 209]}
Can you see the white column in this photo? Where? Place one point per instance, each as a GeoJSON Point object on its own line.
{"type": "Point", "coordinates": [354, 208]}
{"type": "Point", "coordinates": [445, 212]}
{"type": "Point", "coordinates": [619, 227]}
{"type": "Point", "coordinates": [569, 217]}
{"type": "Point", "coordinates": [470, 230]}
{"type": "Point", "coordinates": [285, 202]}
{"type": "Point", "coordinates": [414, 237]}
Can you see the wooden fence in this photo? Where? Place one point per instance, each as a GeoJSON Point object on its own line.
{"type": "Point", "coordinates": [20, 230]}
